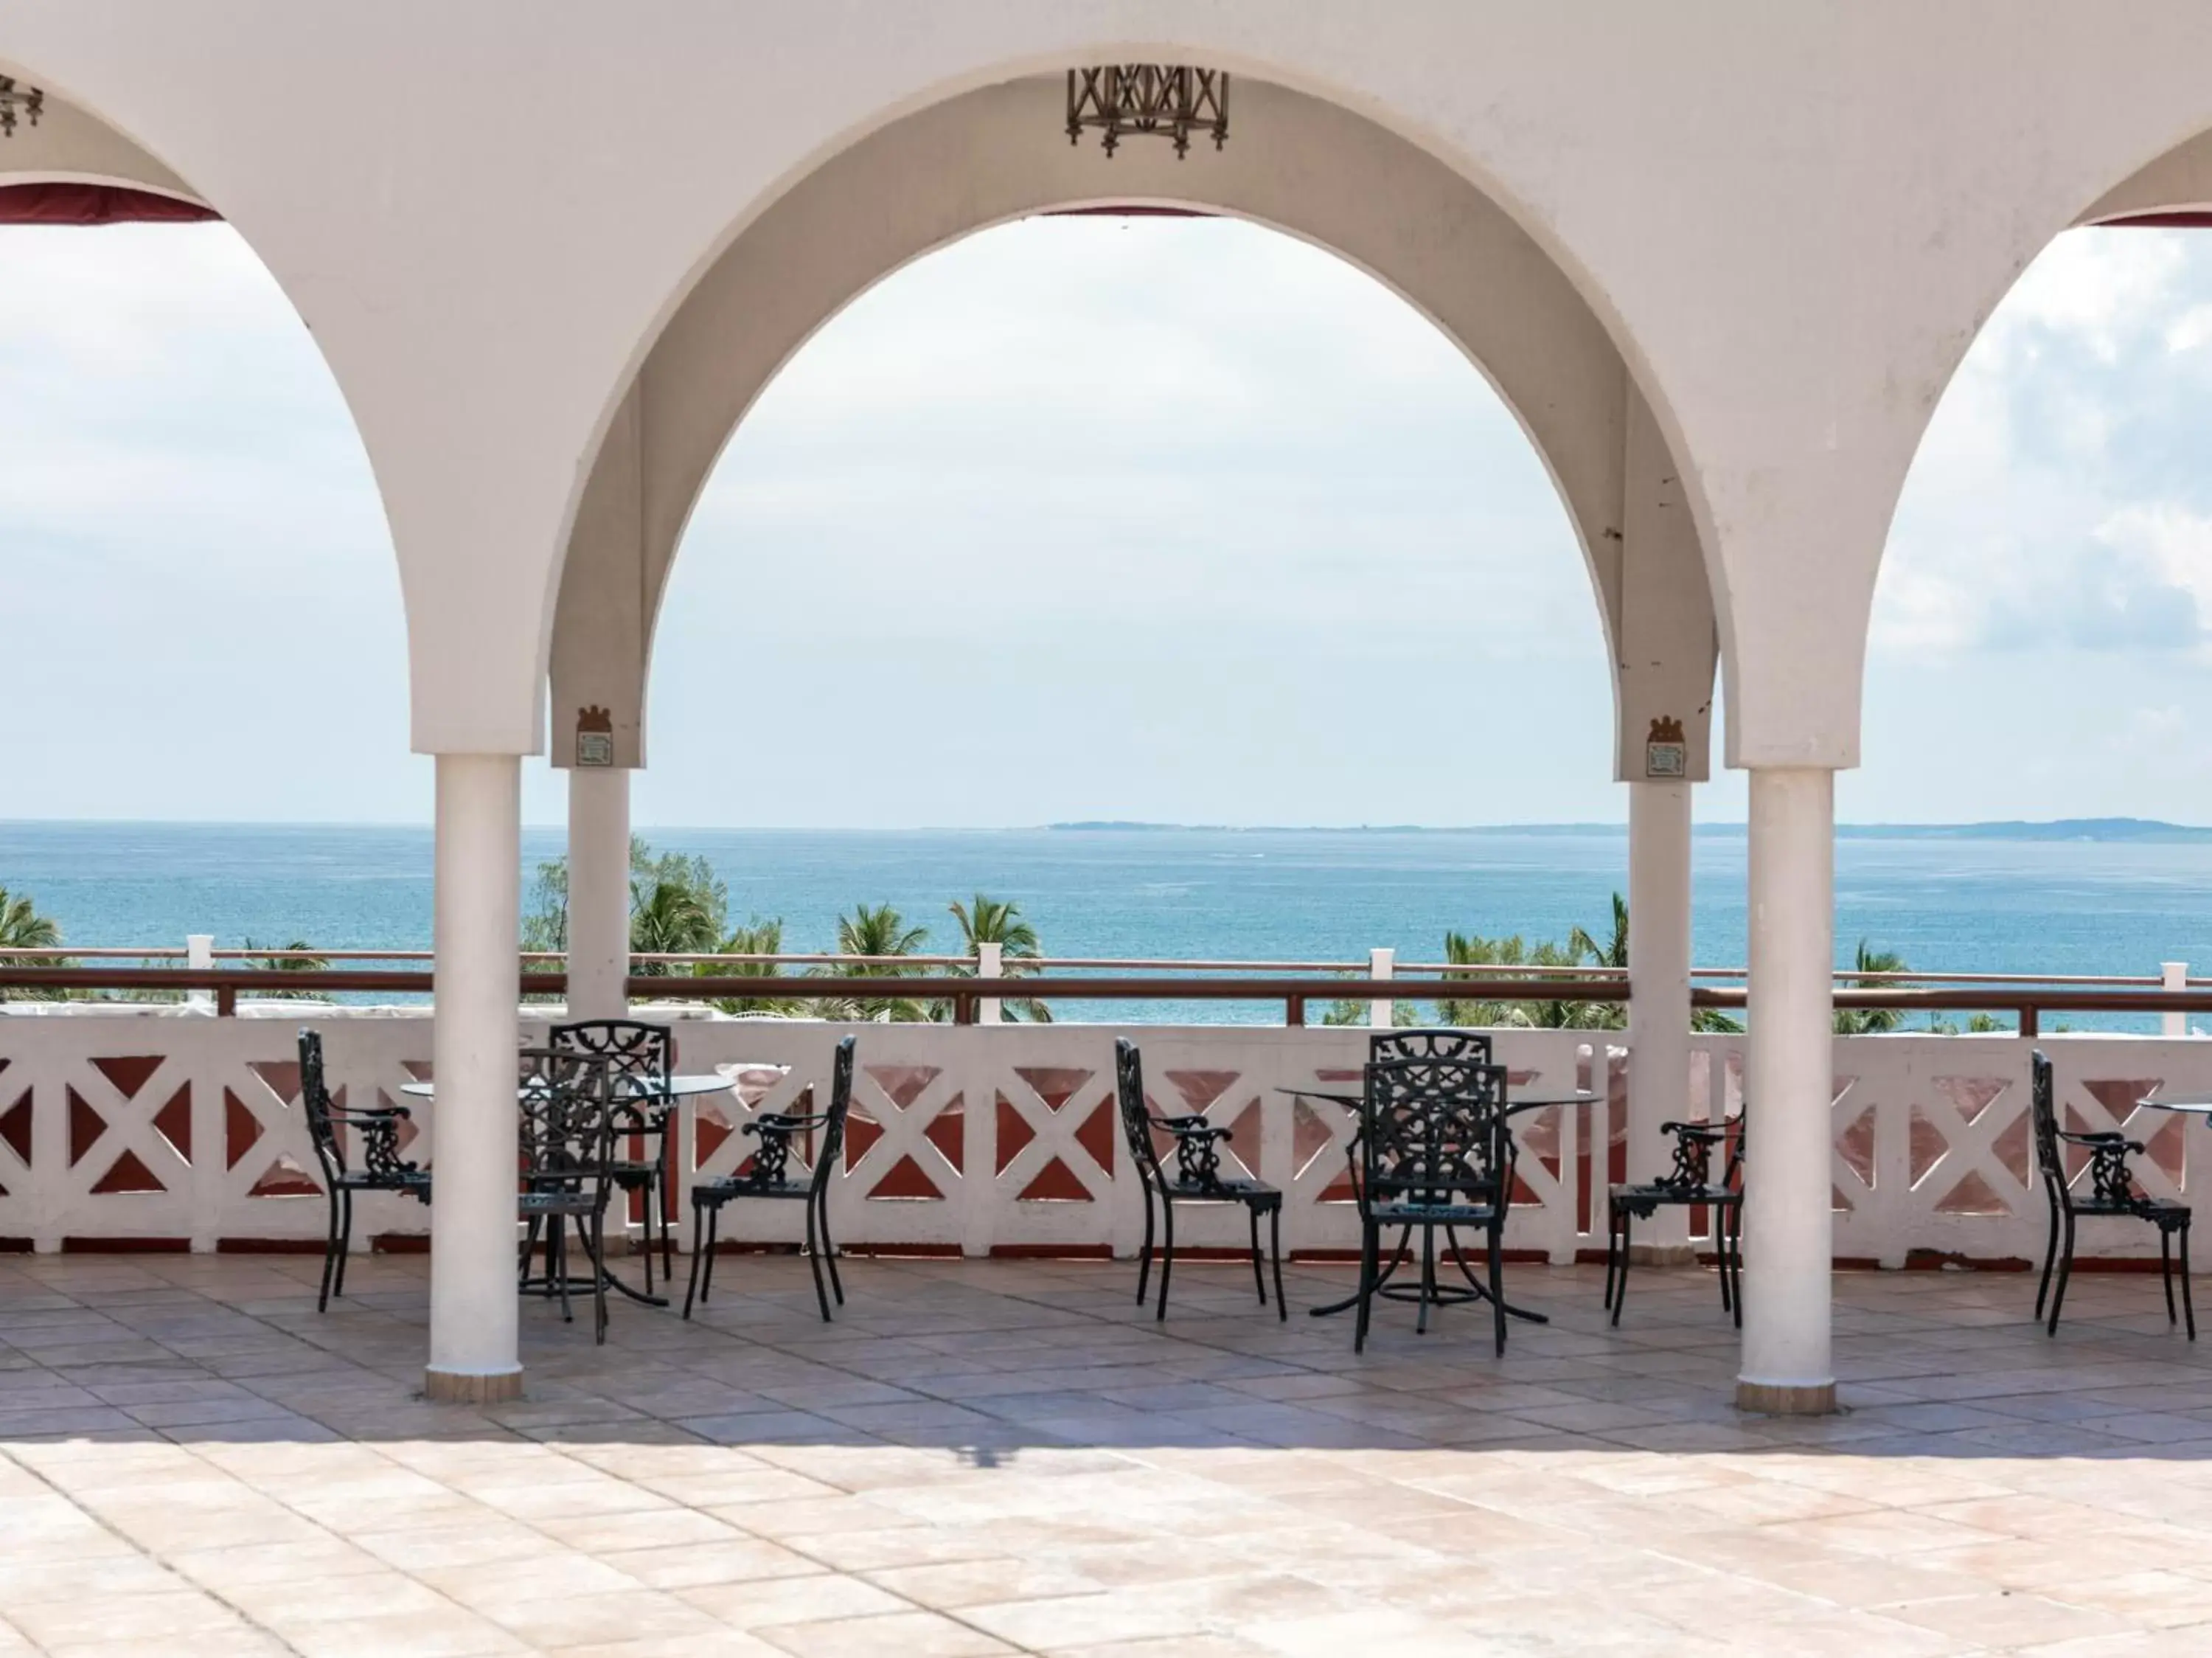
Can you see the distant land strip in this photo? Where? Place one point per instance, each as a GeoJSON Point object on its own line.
{"type": "Point", "coordinates": [2148, 830]}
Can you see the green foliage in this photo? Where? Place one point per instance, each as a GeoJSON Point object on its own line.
{"type": "Point", "coordinates": [1496, 958]}
{"type": "Point", "coordinates": [22, 928]}
{"type": "Point", "coordinates": [677, 906]}
{"type": "Point", "coordinates": [998, 921]}
{"type": "Point", "coordinates": [877, 931]}
{"type": "Point", "coordinates": [755, 937]}
{"type": "Point", "coordinates": [1352, 1012]}
{"type": "Point", "coordinates": [299, 959]}
{"type": "Point", "coordinates": [1871, 1022]}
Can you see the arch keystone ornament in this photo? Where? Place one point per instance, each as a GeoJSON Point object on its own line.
{"type": "Point", "coordinates": [595, 737]}
{"type": "Point", "coordinates": [1169, 100]}
{"type": "Point", "coordinates": [29, 101]}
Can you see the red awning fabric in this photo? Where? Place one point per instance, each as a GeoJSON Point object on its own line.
{"type": "Point", "coordinates": [94, 203]}
{"type": "Point", "coordinates": [2185, 219]}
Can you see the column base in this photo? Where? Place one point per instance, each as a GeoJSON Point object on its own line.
{"type": "Point", "coordinates": [1775, 1399]}
{"type": "Point", "coordinates": [472, 1387]}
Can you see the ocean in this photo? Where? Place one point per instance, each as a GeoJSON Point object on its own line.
{"type": "Point", "coordinates": [1947, 905]}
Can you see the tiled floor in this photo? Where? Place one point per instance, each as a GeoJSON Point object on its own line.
{"type": "Point", "coordinates": [986, 1457]}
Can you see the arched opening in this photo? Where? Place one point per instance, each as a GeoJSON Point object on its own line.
{"type": "Point", "coordinates": [2045, 590]}
{"type": "Point", "coordinates": [1202, 523]}
{"type": "Point", "coordinates": [1312, 168]}
{"type": "Point", "coordinates": [197, 577]}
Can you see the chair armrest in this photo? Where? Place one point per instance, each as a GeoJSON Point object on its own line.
{"type": "Point", "coordinates": [2101, 1139]}
{"type": "Point", "coordinates": [1193, 1128]}
{"type": "Point", "coordinates": [370, 1113]}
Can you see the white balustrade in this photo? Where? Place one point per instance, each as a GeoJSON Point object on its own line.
{"type": "Point", "coordinates": [1006, 1137]}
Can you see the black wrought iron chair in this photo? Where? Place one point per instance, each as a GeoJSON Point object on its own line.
{"type": "Point", "coordinates": [1472, 1047]}
{"type": "Point", "coordinates": [1196, 1178]}
{"type": "Point", "coordinates": [1434, 1151]}
{"type": "Point", "coordinates": [382, 1168]}
{"type": "Point", "coordinates": [567, 1123]}
{"type": "Point", "coordinates": [638, 1058]}
{"type": "Point", "coordinates": [770, 1176]}
{"type": "Point", "coordinates": [2112, 1191]}
{"type": "Point", "coordinates": [1688, 1183]}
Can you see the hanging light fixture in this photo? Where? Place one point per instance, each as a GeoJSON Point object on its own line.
{"type": "Point", "coordinates": [1169, 100]}
{"type": "Point", "coordinates": [29, 99]}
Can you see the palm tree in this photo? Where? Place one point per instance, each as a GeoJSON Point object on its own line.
{"type": "Point", "coordinates": [997, 921]}
{"type": "Point", "coordinates": [1868, 1021]}
{"type": "Point", "coordinates": [1500, 956]}
{"type": "Point", "coordinates": [297, 958]}
{"type": "Point", "coordinates": [22, 928]}
{"type": "Point", "coordinates": [755, 937]}
{"type": "Point", "coordinates": [1615, 954]}
{"type": "Point", "coordinates": [669, 916]}
{"type": "Point", "coordinates": [880, 931]}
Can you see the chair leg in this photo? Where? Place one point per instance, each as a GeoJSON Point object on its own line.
{"type": "Point", "coordinates": [1167, 1254]}
{"type": "Point", "coordinates": [1427, 1293]}
{"type": "Point", "coordinates": [647, 1230]}
{"type": "Point", "coordinates": [2065, 1272]}
{"type": "Point", "coordinates": [1275, 1252]}
{"type": "Point", "coordinates": [1497, 1282]}
{"type": "Point", "coordinates": [665, 1179]}
{"type": "Point", "coordinates": [829, 1250]}
{"type": "Point", "coordinates": [1620, 1283]}
{"type": "Point", "coordinates": [2188, 1303]}
{"type": "Point", "coordinates": [557, 1263]}
{"type": "Point", "coordinates": [1735, 1259]}
{"type": "Point", "coordinates": [2166, 1272]}
{"type": "Point", "coordinates": [814, 1261]}
{"type": "Point", "coordinates": [345, 1242]}
{"type": "Point", "coordinates": [1721, 1260]}
{"type": "Point", "coordinates": [713, 1238]}
{"type": "Point", "coordinates": [600, 1278]}
{"type": "Point", "coordinates": [1611, 1249]}
{"type": "Point", "coordinates": [1145, 1256]}
{"type": "Point", "coordinates": [1368, 1241]}
{"type": "Point", "coordinates": [332, 1244]}
{"type": "Point", "coordinates": [2050, 1259]}
{"type": "Point", "coordinates": [1259, 1281]}
{"type": "Point", "coordinates": [698, 1236]}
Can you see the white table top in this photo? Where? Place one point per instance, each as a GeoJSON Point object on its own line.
{"type": "Point", "coordinates": [705, 1083]}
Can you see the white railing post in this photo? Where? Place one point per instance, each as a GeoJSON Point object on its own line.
{"type": "Point", "coordinates": [1382, 964]}
{"type": "Point", "coordinates": [2174, 976]}
{"type": "Point", "coordinates": [199, 955]}
{"type": "Point", "coordinates": [990, 961]}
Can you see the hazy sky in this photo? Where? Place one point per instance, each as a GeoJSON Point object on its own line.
{"type": "Point", "coordinates": [1186, 520]}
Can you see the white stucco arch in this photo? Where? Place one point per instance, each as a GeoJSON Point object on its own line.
{"type": "Point", "coordinates": [1296, 164]}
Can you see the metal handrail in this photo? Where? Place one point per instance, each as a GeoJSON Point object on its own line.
{"type": "Point", "coordinates": [965, 994]}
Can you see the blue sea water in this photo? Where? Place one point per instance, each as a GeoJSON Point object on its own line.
{"type": "Point", "coordinates": [1991, 906]}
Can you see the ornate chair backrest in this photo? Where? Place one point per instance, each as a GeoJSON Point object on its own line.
{"type": "Point", "coordinates": [832, 1150]}
{"type": "Point", "coordinates": [637, 1058]}
{"type": "Point", "coordinates": [1739, 1127]}
{"type": "Point", "coordinates": [566, 1119]}
{"type": "Point", "coordinates": [1434, 1130]}
{"type": "Point", "coordinates": [315, 1105]}
{"type": "Point", "coordinates": [2043, 1109]}
{"type": "Point", "coordinates": [1471, 1047]}
{"type": "Point", "coordinates": [1136, 1115]}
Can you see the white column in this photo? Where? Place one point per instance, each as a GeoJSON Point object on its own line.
{"type": "Point", "coordinates": [2173, 976]}
{"type": "Point", "coordinates": [990, 962]}
{"type": "Point", "coordinates": [598, 892]}
{"type": "Point", "coordinates": [1382, 964]}
{"type": "Point", "coordinates": [199, 954]}
{"type": "Point", "coordinates": [1789, 1088]}
{"type": "Point", "coordinates": [1658, 992]}
{"type": "Point", "coordinates": [473, 1354]}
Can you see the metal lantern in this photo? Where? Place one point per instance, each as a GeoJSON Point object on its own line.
{"type": "Point", "coordinates": [29, 99]}
{"type": "Point", "coordinates": [1169, 101]}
